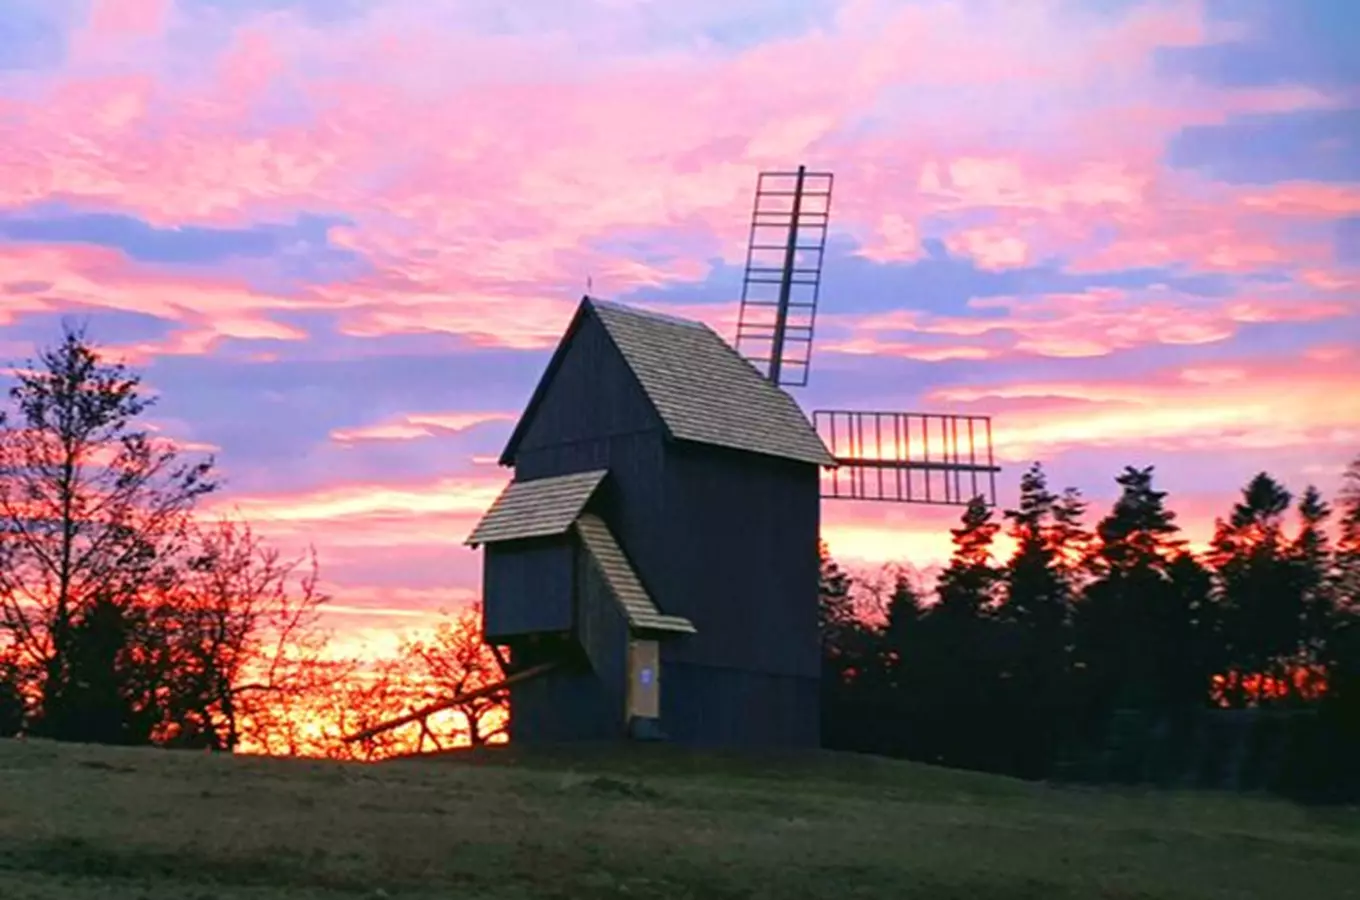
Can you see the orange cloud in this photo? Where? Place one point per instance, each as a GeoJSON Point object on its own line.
{"type": "Point", "coordinates": [451, 496]}
{"type": "Point", "coordinates": [865, 536]}
{"type": "Point", "coordinates": [404, 535]}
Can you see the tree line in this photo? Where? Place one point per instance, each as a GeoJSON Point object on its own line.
{"type": "Point", "coordinates": [1114, 652]}
{"type": "Point", "coordinates": [126, 617]}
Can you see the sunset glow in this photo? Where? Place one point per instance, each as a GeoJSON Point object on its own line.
{"type": "Point", "coordinates": [341, 240]}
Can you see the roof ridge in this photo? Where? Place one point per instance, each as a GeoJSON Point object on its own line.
{"type": "Point", "coordinates": [642, 312]}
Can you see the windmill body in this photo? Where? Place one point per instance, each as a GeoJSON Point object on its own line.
{"type": "Point", "coordinates": [658, 541]}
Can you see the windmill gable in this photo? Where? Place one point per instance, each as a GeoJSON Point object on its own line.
{"type": "Point", "coordinates": [587, 394]}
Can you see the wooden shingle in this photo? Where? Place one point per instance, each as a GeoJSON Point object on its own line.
{"type": "Point", "coordinates": [705, 391]}
{"type": "Point", "coordinates": [638, 608]}
{"type": "Point", "coordinates": [540, 508]}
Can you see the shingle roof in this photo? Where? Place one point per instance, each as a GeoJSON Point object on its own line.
{"type": "Point", "coordinates": [539, 508]}
{"type": "Point", "coordinates": [702, 389]}
{"type": "Point", "coordinates": [638, 607]}
{"type": "Point", "coordinates": [705, 391]}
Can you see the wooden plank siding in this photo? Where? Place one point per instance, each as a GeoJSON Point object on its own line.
{"type": "Point", "coordinates": [744, 534]}
{"type": "Point", "coordinates": [715, 706]}
{"type": "Point", "coordinates": [526, 587]}
{"type": "Point", "coordinates": [593, 396]}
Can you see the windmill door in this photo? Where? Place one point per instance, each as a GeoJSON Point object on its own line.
{"type": "Point", "coordinates": [644, 680]}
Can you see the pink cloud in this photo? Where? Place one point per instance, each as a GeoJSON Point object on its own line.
{"type": "Point", "coordinates": [99, 277]}
{"type": "Point", "coordinates": [1093, 323]}
{"type": "Point", "coordinates": [1245, 405]}
{"type": "Point", "coordinates": [486, 176]}
{"type": "Point", "coordinates": [129, 17]}
{"type": "Point", "coordinates": [419, 425]}
{"type": "Point", "coordinates": [876, 346]}
{"type": "Point", "coordinates": [709, 120]}
{"type": "Point", "coordinates": [991, 248]}
{"type": "Point", "coordinates": [209, 308]}
{"type": "Point", "coordinates": [484, 223]}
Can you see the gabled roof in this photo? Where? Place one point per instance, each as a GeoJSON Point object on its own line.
{"type": "Point", "coordinates": [540, 508]}
{"type": "Point", "coordinates": [701, 388]}
{"type": "Point", "coordinates": [638, 608]}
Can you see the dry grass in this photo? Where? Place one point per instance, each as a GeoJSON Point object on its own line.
{"type": "Point", "coordinates": [81, 822]}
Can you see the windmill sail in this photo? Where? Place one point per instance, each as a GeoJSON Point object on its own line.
{"type": "Point", "coordinates": [899, 457]}
{"type": "Point", "coordinates": [783, 273]}
{"type": "Point", "coordinates": [908, 457]}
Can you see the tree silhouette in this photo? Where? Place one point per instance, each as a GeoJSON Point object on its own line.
{"type": "Point", "coordinates": [968, 586]}
{"type": "Point", "coordinates": [1038, 593]}
{"type": "Point", "coordinates": [1132, 624]}
{"type": "Point", "coordinates": [122, 618]}
{"type": "Point", "coordinates": [993, 676]}
{"type": "Point", "coordinates": [1312, 560]}
{"type": "Point", "coordinates": [90, 509]}
{"type": "Point", "coordinates": [835, 605]}
{"type": "Point", "coordinates": [850, 660]}
{"type": "Point", "coordinates": [1347, 554]}
{"type": "Point", "coordinates": [959, 649]}
{"type": "Point", "coordinates": [1139, 533]}
{"type": "Point", "coordinates": [1260, 594]}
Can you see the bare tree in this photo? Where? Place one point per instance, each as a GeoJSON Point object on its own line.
{"type": "Point", "coordinates": [441, 691]}
{"type": "Point", "coordinates": [243, 647]}
{"type": "Point", "coordinates": [91, 508]}
{"type": "Point", "coordinates": [380, 692]}
{"type": "Point", "coordinates": [455, 663]}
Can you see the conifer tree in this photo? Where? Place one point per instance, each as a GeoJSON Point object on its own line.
{"type": "Point", "coordinates": [1261, 600]}
{"type": "Point", "coordinates": [1132, 623]}
{"type": "Point", "coordinates": [968, 586]}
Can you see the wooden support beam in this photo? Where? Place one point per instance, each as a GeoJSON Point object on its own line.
{"type": "Point", "coordinates": [420, 715]}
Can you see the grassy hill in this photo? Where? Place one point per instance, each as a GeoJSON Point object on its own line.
{"type": "Point", "coordinates": [84, 822]}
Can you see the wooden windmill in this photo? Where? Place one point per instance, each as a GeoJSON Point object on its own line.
{"type": "Point", "coordinates": [651, 569]}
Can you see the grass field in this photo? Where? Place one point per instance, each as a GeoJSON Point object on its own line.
{"type": "Point", "coordinates": [82, 822]}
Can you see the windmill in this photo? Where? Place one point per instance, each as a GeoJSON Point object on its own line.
{"type": "Point", "coordinates": [904, 457]}
{"type": "Point", "coordinates": [662, 521]}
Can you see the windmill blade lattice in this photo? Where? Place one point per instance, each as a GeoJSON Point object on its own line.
{"type": "Point", "coordinates": [783, 275]}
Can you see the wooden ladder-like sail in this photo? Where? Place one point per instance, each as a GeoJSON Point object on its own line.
{"type": "Point", "coordinates": [908, 457]}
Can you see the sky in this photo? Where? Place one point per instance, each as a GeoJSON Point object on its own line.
{"type": "Point", "coordinates": [341, 238]}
